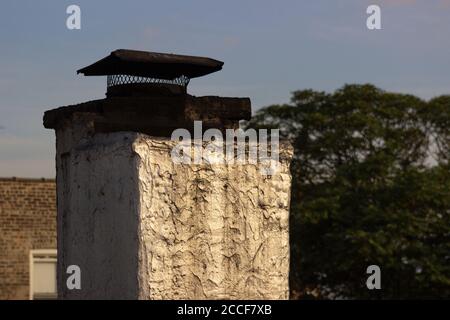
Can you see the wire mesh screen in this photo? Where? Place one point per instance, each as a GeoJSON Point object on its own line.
{"type": "Point", "coordinates": [118, 79]}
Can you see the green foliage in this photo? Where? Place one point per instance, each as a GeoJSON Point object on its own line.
{"type": "Point", "coordinates": [366, 190]}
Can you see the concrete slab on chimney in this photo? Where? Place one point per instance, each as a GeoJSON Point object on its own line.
{"type": "Point", "coordinates": [156, 115]}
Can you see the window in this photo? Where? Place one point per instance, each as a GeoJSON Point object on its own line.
{"type": "Point", "coordinates": [43, 274]}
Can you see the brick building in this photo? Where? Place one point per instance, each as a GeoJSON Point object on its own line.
{"type": "Point", "coordinates": [27, 238]}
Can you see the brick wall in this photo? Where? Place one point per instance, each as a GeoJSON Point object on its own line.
{"type": "Point", "coordinates": [27, 221]}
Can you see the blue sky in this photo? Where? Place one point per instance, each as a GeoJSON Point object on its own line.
{"type": "Point", "coordinates": [270, 48]}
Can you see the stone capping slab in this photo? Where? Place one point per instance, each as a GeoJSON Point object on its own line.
{"type": "Point", "coordinates": [158, 115]}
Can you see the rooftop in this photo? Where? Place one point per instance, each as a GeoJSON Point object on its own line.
{"type": "Point", "coordinates": [27, 179]}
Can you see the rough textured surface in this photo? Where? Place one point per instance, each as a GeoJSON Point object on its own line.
{"type": "Point", "coordinates": [27, 222]}
{"type": "Point", "coordinates": [140, 226]}
{"type": "Point", "coordinates": [211, 231]}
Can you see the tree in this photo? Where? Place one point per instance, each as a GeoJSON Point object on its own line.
{"type": "Point", "coordinates": [437, 118]}
{"type": "Point", "coordinates": [366, 192]}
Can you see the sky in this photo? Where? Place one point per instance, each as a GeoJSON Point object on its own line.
{"type": "Point", "coordinates": [270, 48]}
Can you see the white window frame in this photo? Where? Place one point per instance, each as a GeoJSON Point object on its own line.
{"type": "Point", "coordinates": [52, 253]}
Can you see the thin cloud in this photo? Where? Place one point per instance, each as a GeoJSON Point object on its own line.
{"type": "Point", "coordinates": [444, 3]}
{"type": "Point", "coordinates": [231, 42]}
{"type": "Point", "coordinates": [151, 34]}
{"type": "Point", "coordinates": [440, 3]}
{"type": "Point", "coordinates": [398, 2]}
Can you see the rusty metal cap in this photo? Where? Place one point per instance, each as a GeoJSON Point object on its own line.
{"type": "Point", "coordinates": [152, 65]}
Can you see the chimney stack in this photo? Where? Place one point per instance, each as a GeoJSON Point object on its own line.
{"type": "Point", "coordinates": [140, 225]}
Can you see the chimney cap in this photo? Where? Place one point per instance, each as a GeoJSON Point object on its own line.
{"type": "Point", "coordinates": [152, 65]}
